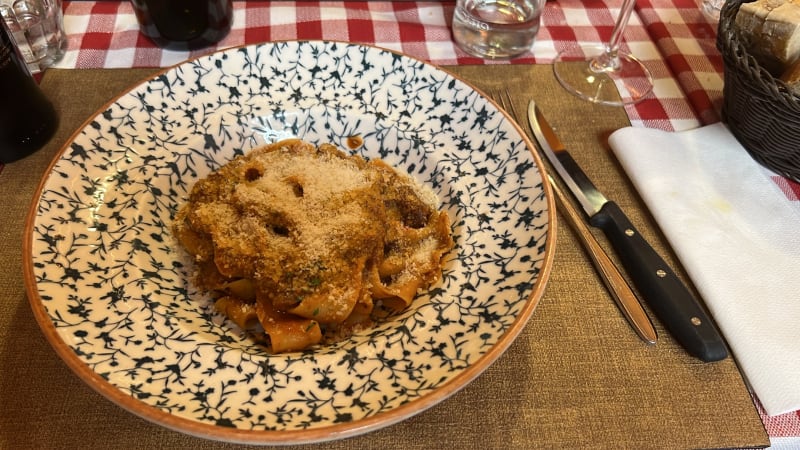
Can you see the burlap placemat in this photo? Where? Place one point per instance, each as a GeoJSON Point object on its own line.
{"type": "Point", "coordinates": [576, 377]}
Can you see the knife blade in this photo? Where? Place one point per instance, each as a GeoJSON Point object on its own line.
{"type": "Point", "coordinates": [671, 301]}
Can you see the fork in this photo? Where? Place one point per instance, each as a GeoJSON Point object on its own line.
{"type": "Point", "coordinates": [615, 282]}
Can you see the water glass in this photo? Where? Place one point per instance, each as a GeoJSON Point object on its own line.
{"type": "Point", "coordinates": [496, 28]}
{"type": "Point", "coordinates": [711, 9]}
{"type": "Point", "coordinates": [38, 30]}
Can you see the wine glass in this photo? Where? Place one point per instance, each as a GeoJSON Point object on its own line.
{"type": "Point", "coordinates": [605, 73]}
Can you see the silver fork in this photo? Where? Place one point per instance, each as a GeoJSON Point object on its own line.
{"type": "Point", "coordinates": [616, 284]}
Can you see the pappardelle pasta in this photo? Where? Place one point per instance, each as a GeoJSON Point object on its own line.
{"type": "Point", "coordinates": [306, 244]}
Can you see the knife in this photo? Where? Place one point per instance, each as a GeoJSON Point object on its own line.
{"type": "Point", "coordinates": [671, 301]}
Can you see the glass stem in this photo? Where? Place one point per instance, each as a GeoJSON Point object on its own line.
{"type": "Point", "coordinates": [609, 61]}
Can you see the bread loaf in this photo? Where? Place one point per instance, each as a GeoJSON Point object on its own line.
{"type": "Point", "coordinates": [792, 77]}
{"type": "Point", "coordinates": [770, 29]}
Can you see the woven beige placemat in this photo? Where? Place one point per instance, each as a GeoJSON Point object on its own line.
{"type": "Point", "coordinates": [576, 377]}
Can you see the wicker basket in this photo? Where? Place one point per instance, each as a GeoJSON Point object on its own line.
{"type": "Point", "coordinates": [761, 111]}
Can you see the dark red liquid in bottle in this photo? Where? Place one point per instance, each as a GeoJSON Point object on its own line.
{"type": "Point", "coordinates": [184, 24]}
{"type": "Point", "coordinates": [27, 118]}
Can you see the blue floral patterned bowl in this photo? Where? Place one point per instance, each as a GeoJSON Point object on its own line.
{"type": "Point", "coordinates": [111, 290]}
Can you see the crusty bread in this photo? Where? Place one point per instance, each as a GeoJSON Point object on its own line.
{"type": "Point", "coordinates": [770, 29]}
{"type": "Point", "coordinates": [792, 77]}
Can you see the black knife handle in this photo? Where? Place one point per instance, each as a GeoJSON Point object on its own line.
{"type": "Point", "coordinates": [670, 299]}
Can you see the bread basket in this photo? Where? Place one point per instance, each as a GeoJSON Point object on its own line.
{"type": "Point", "coordinates": [760, 110]}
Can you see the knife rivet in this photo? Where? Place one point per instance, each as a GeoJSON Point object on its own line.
{"type": "Point", "coordinates": [696, 321]}
{"type": "Point", "coordinates": [629, 232]}
{"type": "Point", "coordinates": [661, 273]}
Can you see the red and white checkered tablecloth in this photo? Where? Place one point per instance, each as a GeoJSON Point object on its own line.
{"type": "Point", "coordinates": [105, 34]}
{"type": "Point", "coordinates": [671, 37]}
{"type": "Point", "coordinates": [687, 42]}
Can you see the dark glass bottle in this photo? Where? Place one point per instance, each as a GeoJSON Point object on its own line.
{"type": "Point", "coordinates": [184, 24]}
{"type": "Point", "coordinates": [27, 118]}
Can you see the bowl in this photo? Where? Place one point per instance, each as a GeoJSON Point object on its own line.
{"type": "Point", "coordinates": [112, 290]}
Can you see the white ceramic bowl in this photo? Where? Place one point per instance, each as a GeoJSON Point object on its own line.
{"type": "Point", "coordinates": [111, 290]}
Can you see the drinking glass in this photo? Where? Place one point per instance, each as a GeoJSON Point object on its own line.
{"type": "Point", "coordinates": [496, 29]}
{"type": "Point", "coordinates": [605, 73]}
{"type": "Point", "coordinates": [711, 9]}
{"type": "Point", "coordinates": [38, 30]}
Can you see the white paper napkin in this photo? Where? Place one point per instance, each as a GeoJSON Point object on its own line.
{"type": "Point", "coordinates": [737, 235]}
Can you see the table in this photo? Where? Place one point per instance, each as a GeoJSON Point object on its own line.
{"type": "Point", "coordinates": [674, 40]}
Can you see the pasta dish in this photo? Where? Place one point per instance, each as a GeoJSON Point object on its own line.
{"type": "Point", "coordinates": [304, 245]}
